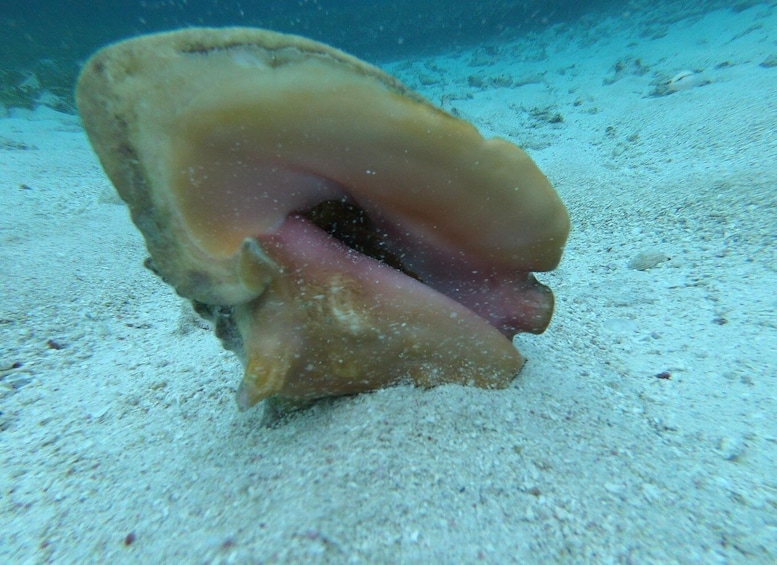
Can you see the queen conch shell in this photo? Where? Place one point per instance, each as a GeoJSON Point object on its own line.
{"type": "Point", "coordinates": [342, 233]}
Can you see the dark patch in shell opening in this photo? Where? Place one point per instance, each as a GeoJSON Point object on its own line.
{"type": "Point", "coordinates": [351, 225]}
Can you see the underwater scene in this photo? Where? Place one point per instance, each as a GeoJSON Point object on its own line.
{"type": "Point", "coordinates": [336, 281]}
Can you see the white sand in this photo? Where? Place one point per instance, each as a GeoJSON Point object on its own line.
{"type": "Point", "coordinates": [119, 417]}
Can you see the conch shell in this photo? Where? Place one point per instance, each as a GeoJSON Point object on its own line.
{"type": "Point", "coordinates": [342, 233]}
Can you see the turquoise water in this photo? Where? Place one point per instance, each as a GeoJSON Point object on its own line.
{"type": "Point", "coordinates": [52, 39]}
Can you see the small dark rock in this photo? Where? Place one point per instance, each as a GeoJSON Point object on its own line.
{"type": "Point", "coordinates": [770, 61]}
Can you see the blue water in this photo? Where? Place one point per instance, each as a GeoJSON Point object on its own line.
{"type": "Point", "coordinates": [365, 28]}
{"type": "Point", "coordinates": [52, 38]}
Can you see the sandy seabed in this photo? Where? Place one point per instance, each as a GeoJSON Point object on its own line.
{"type": "Point", "coordinates": [642, 430]}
